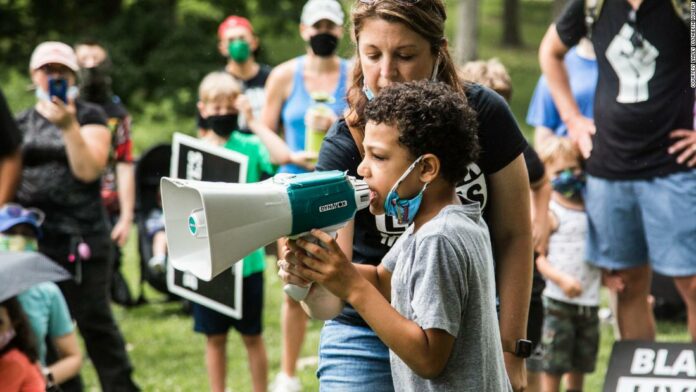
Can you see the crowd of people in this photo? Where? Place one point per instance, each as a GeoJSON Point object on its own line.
{"type": "Point", "coordinates": [479, 262]}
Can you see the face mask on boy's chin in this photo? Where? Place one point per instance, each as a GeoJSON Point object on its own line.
{"type": "Point", "coordinates": [42, 94]}
{"type": "Point", "coordinates": [18, 243]}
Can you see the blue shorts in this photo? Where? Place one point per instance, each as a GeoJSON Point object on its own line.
{"type": "Point", "coordinates": [352, 358]}
{"type": "Point", "coordinates": [635, 222]}
{"type": "Point", "coordinates": [211, 322]}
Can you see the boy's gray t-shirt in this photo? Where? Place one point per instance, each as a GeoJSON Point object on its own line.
{"type": "Point", "coordinates": [442, 278]}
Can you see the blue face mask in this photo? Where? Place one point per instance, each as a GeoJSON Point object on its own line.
{"type": "Point", "coordinates": [569, 184]}
{"type": "Point", "coordinates": [404, 210]}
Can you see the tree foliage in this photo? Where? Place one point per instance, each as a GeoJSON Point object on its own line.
{"type": "Point", "coordinates": [161, 49]}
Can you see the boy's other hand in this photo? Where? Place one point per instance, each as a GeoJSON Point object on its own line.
{"type": "Point", "coordinates": [571, 287]}
{"type": "Point", "coordinates": [325, 264]}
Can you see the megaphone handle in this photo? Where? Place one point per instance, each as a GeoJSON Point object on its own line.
{"type": "Point", "coordinates": [299, 293]}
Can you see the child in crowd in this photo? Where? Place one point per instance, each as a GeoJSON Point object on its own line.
{"type": "Point", "coordinates": [19, 369]}
{"type": "Point", "coordinates": [571, 298]}
{"type": "Point", "coordinates": [43, 303]}
{"type": "Point", "coordinates": [441, 326]}
{"type": "Point", "coordinates": [220, 102]}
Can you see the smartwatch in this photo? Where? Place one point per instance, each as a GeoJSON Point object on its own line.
{"type": "Point", "coordinates": [523, 348]}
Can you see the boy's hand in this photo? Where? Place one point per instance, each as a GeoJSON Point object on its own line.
{"type": "Point", "coordinates": [243, 105]}
{"type": "Point", "coordinates": [571, 286]}
{"type": "Point", "coordinates": [613, 281]}
{"type": "Point", "coordinates": [325, 264]}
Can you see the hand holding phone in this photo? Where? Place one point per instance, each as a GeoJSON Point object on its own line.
{"type": "Point", "coordinates": [58, 87]}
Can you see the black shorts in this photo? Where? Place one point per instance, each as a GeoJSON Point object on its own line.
{"type": "Point", "coordinates": [211, 322]}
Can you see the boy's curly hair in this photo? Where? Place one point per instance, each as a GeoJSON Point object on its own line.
{"type": "Point", "coordinates": [431, 118]}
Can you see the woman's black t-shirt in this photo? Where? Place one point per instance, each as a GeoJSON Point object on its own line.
{"type": "Point", "coordinates": [72, 207]}
{"type": "Point", "coordinates": [501, 142]}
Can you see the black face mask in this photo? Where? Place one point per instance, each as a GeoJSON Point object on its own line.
{"type": "Point", "coordinates": [224, 125]}
{"type": "Point", "coordinates": [95, 82]}
{"type": "Point", "coordinates": [324, 44]}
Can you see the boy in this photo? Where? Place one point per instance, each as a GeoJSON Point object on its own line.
{"type": "Point", "coordinates": [442, 330]}
{"type": "Point", "coordinates": [219, 103]}
{"type": "Point", "coordinates": [571, 298]}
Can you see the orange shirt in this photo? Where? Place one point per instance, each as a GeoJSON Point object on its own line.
{"type": "Point", "coordinates": [17, 374]}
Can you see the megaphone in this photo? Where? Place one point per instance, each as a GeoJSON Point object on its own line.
{"type": "Point", "coordinates": [212, 225]}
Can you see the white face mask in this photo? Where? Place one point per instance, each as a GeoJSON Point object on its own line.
{"type": "Point", "coordinates": [433, 77]}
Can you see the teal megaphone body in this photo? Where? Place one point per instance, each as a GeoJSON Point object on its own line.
{"type": "Point", "coordinates": [212, 225]}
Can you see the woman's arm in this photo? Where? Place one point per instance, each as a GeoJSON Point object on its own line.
{"type": "Point", "coordinates": [511, 235]}
{"type": "Point", "coordinates": [10, 171]}
{"type": "Point", "coordinates": [68, 366]}
{"type": "Point", "coordinates": [87, 146]}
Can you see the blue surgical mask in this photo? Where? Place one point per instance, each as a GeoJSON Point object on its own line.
{"type": "Point", "coordinates": [404, 210]}
{"type": "Point", "coordinates": [41, 94]}
{"type": "Point", "coordinates": [368, 93]}
{"type": "Point", "coordinates": [569, 184]}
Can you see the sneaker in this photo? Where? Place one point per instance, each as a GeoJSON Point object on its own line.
{"type": "Point", "coordinates": [285, 383]}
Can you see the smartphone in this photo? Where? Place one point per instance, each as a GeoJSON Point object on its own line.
{"type": "Point", "coordinates": [58, 88]}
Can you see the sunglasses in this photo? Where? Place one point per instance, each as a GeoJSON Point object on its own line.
{"type": "Point", "coordinates": [636, 37]}
{"type": "Point", "coordinates": [14, 210]}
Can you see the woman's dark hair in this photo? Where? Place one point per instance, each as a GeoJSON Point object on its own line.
{"type": "Point", "coordinates": [425, 17]}
{"type": "Point", "coordinates": [431, 118]}
{"type": "Point", "coordinates": [24, 339]}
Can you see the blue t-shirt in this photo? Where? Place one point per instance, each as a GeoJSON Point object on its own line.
{"type": "Point", "coordinates": [47, 312]}
{"type": "Point", "coordinates": [582, 73]}
{"type": "Point", "coordinates": [296, 105]}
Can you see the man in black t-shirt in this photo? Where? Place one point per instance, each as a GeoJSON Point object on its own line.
{"type": "Point", "coordinates": [10, 156]}
{"type": "Point", "coordinates": [641, 148]}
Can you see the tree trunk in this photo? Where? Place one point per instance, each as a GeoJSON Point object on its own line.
{"type": "Point", "coordinates": [511, 23]}
{"type": "Point", "coordinates": [466, 40]}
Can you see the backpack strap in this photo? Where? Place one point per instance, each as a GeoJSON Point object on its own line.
{"type": "Point", "coordinates": [592, 10]}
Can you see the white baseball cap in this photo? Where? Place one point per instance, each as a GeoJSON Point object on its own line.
{"type": "Point", "coordinates": [316, 10]}
{"type": "Point", "coordinates": [53, 52]}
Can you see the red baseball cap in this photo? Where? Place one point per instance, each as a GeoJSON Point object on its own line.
{"type": "Point", "coordinates": [234, 21]}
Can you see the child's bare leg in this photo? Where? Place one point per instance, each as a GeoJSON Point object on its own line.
{"type": "Point", "coordinates": [216, 361]}
{"type": "Point", "coordinates": [550, 382]}
{"type": "Point", "coordinates": [258, 361]}
{"type": "Point", "coordinates": [574, 381]}
{"type": "Point", "coordinates": [159, 244]}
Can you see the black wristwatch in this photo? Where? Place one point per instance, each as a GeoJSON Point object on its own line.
{"type": "Point", "coordinates": [523, 348]}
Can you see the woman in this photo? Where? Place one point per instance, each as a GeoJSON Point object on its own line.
{"type": "Point", "coordinates": [397, 41]}
{"type": "Point", "coordinates": [19, 368]}
{"type": "Point", "coordinates": [289, 91]}
{"type": "Point", "coordinates": [65, 149]}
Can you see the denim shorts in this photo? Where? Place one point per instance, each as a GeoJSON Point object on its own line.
{"type": "Point", "coordinates": [352, 358]}
{"type": "Point", "coordinates": [634, 222]}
